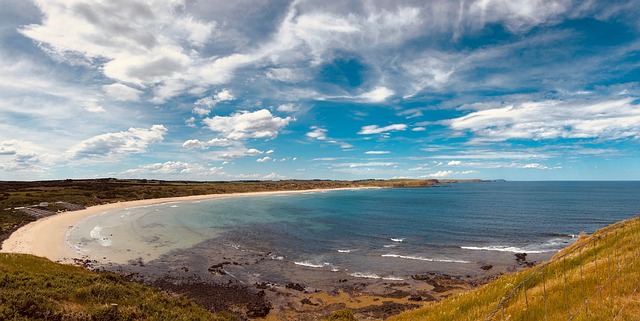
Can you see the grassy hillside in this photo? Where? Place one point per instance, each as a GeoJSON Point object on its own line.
{"type": "Point", "coordinates": [34, 288]}
{"type": "Point", "coordinates": [597, 278]}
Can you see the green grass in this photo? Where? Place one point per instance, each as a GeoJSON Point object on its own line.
{"type": "Point", "coordinates": [597, 278]}
{"type": "Point", "coordinates": [33, 288]}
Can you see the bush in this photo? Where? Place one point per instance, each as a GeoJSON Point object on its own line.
{"type": "Point", "coordinates": [342, 315]}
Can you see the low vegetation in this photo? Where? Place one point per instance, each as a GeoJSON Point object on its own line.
{"type": "Point", "coordinates": [34, 288]}
{"type": "Point", "coordinates": [597, 278]}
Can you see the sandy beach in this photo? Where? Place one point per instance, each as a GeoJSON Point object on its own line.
{"type": "Point", "coordinates": [46, 237]}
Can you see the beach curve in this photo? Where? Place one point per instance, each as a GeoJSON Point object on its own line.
{"type": "Point", "coordinates": [46, 237]}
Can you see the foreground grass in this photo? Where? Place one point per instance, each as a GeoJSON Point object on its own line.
{"type": "Point", "coordinates": [33, 288]}
{"type": "Point", "coordinates": [597, 278]}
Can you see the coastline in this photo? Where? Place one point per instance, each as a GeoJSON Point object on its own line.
{"type": "Point", "coordinates": [210, 279]}
{"type": "Point", "coordinates": [46, 237]}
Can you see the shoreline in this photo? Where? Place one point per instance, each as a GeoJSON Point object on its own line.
{"type": "Point", "coordinates": [291, 300]}
{"type": "Point", "coordinates": [46, 237]}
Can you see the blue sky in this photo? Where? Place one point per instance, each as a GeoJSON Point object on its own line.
{"type": "Point", "coordinates": [247, 89]}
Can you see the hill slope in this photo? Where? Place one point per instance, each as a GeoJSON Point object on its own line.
{"type": "Point", "coordinates": [597, 278]}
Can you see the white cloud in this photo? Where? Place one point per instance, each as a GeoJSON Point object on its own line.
{"type": "Point", "coordinates": [93, 107]}
{"type": "Point", "coordinates": [122, 92]}
{"type": "Point", "coordinates": [204, 105]}
{"type": "Point", "coordinates": [22, 156]}
{"type": "Point", "coordinates": [317, 133]}
{"type": "Point", "coordinates": [190, 122]}
{"type": "Point", "coordinates": [288, 108]}
{"type": "Point", "coordinates": [135, 140]}
{"type": "Point", "coordinates": [253, 152]}
{"type": "Point", "coordinates": [224, 95]}
{"type": "Point", "coordinates": [140, 42]}
{"type": "Point", "coordinates": [535, 165]}
{"type": "Point", "coordinates": [214, 142]}
{"type": "Point", "coordinates": [263, 159]}
{"type": "Point", "coordinates": [418, 129]}
{"type": "Point", "coordinates": [320, 133]}
{"type": "Point", "coordinates": [517, 15]}
{"type": "Point", "coordinates": [377, 95]}
{"type": "Point", "coordinates": [207, 102]}
{"type": "Point", "coordinates": [411, 113]}
{"type": "Point", "coordinates": [286, 74]}
{"type": "Point", "coordinates": [454, 163]}
{"type": "Point", "coordinates": [377, 152]}
{"type": "Point", "coordinates": [269, 152]}
{"type": "Point", "coordinates": [603, 120]}
{"type": "Point", "coordinates": [375, 129]}
{"type": "Point", "coordinates": [171, 168]}
{"type": "Point", "coordinates": [367, 164]}
{"type": "Point", "coordinates": [201, 111]}
{"type": "Point", "coordinates": [273, 176]}
{"type": "Point", "coordinates": [494, 154]}
{"type": "Point", "coordinates": [244, 125]}
{"type": "Point", "coordinates": [222, 70]}
{"type": "Point", "coordinates": [440, 174]}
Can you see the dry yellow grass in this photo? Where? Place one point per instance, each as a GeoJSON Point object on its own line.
{"type": "Point", "coordinates": [597, 278]}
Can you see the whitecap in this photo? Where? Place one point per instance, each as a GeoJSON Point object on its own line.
{"type": "Point", "coordinates": [420, 258]}
{"type": "Point", "coordinates": [95, 234]}
{"type": "Point", "coordinates": [275, 257]}
{"type": "Point", "coordinates": [390, 245]}
{"type": "Point", "coordinates": [344, 251]}
{"type": "Point", "coordinates": [365, 275]}
{"type": "Point", "coordinates": [174, 206]}
{"type": "Point", "coordinates": [397, 239]}
{"type": "Point", "coordinates": [393, 278]}
{"type": "Point", "coordinates": [503, 248]}
{"type": "Point", "coordinates": [312, 264]}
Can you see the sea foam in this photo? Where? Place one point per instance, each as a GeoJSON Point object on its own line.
{"type": "Point", "coordinates": [95, 234]}
{"type": "Point", "coordinates": [420, 258]}
{"type": "Point", "coordinates": [502, 248]}
{"type": "Point", "coordinates": [312, 264]}
{"type": "Point", "coordinates": [365, 275]}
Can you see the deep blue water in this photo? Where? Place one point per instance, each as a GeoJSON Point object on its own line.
{"type": "Point", "coordinates": [398, 232]}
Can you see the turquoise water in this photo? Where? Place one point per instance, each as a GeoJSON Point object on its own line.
{"type": "Point", "coordinates": [376, 233]}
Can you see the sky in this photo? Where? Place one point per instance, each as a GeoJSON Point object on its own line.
{"type": "Point", "coordinates": [325, 89]}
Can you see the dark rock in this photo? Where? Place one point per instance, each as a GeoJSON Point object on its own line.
{"type": "Point", "coordinates": [218, 269]}
{"type": "Point", "coordinates": [398, 294]}
{"type": "Point", "coordinates": [258, 310]}
{"type": "Point", "coordinates": [308, 302]}
{"type": "Point", "coordinates": [385, 310]}
{"type": "Point", "coordinates": [521, 257]}
{"type": "Point", "coordinates": [415, 297]}
{"type": "Point", "coordinates": [295, 286]}
{"type": "Point", "coordinates": [487, 267]}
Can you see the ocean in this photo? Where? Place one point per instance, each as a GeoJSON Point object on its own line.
{"type": "Point", "coordinates": [387, 234]}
